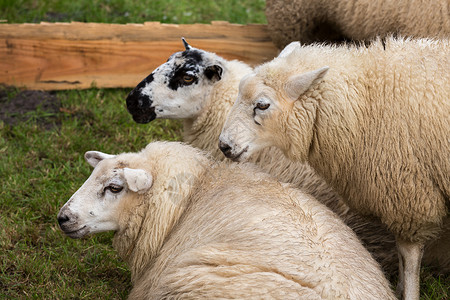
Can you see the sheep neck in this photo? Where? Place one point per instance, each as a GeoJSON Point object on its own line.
{"type": "Point", "coordinates": [147, 225]}
{"type": "Point", "coordinates": [333, 119]}
{"type": "Point", "coordinates": [204, 130]}
{"type": "Point", "coordinates": [140, 245]}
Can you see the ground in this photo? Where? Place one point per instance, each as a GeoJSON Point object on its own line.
{"type": "Point", "coordinates": [20, 106]}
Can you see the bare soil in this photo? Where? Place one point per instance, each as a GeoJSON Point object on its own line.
{"type": "Point", "coordinates": [20, 106]}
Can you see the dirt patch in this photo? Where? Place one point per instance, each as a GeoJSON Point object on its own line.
{"type": "Point", "coordinates": [21, 106]}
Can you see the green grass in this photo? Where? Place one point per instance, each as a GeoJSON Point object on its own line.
{"type": "Point", "coordinates": [131, 11]}
{"type": "Point", "coordinates": [41, 169]}
{"type": "Point", "coordinates": [41, 166]}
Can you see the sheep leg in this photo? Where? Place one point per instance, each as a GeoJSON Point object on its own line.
{"type": "Point", "coordinates": [410, 257]}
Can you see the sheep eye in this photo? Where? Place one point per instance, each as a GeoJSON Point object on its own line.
{"type": "Point", "coordinates": [262, 106]}
{"type": "Point", "coordinates": [188, 78]}
{"type": "Point", "coordinates": [114, 189]}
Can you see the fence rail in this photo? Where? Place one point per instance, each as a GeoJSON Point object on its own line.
{"type": "Point", "coordinates": [56, 56]}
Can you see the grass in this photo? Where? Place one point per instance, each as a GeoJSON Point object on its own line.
{"type": "Point", "coordinates": [41, 166]}
{"type": "Point", "coordinates": [130, 11]}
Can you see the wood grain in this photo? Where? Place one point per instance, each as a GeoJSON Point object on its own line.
{"type": "Point", "coordinates": [55, 56]}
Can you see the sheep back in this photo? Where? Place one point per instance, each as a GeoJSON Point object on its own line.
{"type": "Point", "coordinates": [228, 241]}
{"type": "Point", "coordinates": [336, 21]}
{"type": "Point", "coordinates": [381, 128]}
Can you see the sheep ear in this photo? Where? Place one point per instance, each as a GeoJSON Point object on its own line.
{"type": "Point", "coordinates": [186, 45]}
{"type": "Point", "coordinates": [94, 157]}
{"type": "Point", "coordinates": [298, 84]}
{"type": "Point", "coordinates": [289, 49]}
{"type": "Point", "coordinates": [214, 72]}
{"type": "Point", "coordinates": [138, 180]}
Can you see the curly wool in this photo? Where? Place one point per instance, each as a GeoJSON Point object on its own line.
{"type": "Point", "coordinates": [222, 237]}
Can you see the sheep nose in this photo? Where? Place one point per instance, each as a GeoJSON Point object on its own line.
{"type": "Point", "coordinates": [225, 148]}
{"type": "Point", "coordinates": [62, 219]}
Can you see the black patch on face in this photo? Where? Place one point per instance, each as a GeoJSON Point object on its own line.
{"type": "Point", "coordinates": [192, 56]}
{"type": "Point", "coordinates": [192, 62]}
{"type": "Point", "coordinates": [214, 72]}
{"type": "Point", "coordinates": [142, 84]}
{"type": "Point", "coordinates": [139, 105]}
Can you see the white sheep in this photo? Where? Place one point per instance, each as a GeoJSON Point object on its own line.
{"type": "Point", "coordinates": [203, 102]}
{"type": "Point", "coordinates": [194, 228]}
{"type": "Point", "coordinates": [310, 21]}
{"type": "Point", "coordinates": [376, 127]}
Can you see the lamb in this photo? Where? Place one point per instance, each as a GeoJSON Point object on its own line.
{"type": "Point", "coordinates": [323, 21]}
{"type": "Point", "coordinates": [192, 227]}
{"type": "Point", "coordinates": [203, 100]}
{"type": "Point", "coordinates": [372, 121]}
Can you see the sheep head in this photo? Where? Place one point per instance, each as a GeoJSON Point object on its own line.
{"type": "Point", "coordinates": [264, 115]}
{"type": "Point", "coordinates": [96, 205]}
{"type": "Point", "coordinates": [178, 89]}
{"type": "Point", "coordinates": [140, 196]}
{"type": "Point", "coordinates": [152, 184]}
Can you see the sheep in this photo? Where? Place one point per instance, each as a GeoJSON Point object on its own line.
{"type": "Point", "coordinates": [204, 105]}
{"type": "Point", "coordinates": [373, 121]}
{"type": "Point", "coordinates": [336, 21]}
{"type": "Point", "coordinates": [192, 227]}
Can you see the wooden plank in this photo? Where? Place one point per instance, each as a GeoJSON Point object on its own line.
{"type": "Point", "coordinates": [55, 56]}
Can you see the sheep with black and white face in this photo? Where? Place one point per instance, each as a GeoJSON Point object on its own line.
{"type": "Point", "coordinates": [188, 73]}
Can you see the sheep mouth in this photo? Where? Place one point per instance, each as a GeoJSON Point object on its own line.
{"type": "Point", "coordinates": [78, 233]}
{"type": "Point", "coordinates": [144, 116]}
{"type": "Point", "coordinates": [140, 107]}
{"type": "Point", "coordinates": [239, 156]}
